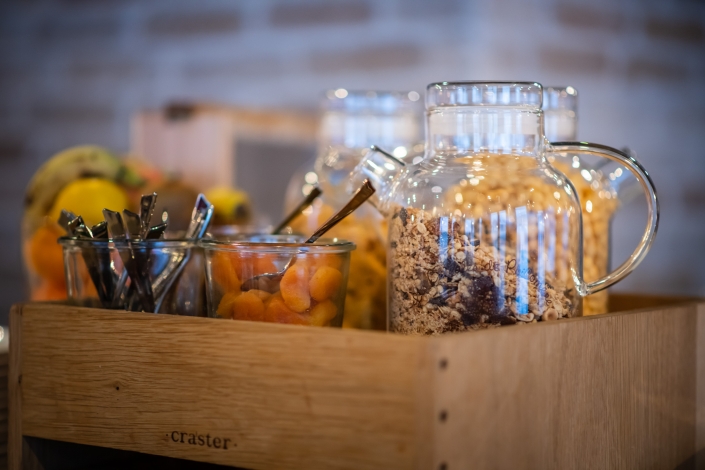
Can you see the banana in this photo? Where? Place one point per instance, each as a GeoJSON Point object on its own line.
{"type": "Point", "coordinates": [65, 167]}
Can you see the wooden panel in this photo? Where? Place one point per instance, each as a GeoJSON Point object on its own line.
{"type": "Point", "coordinates": [612, 391]}
{"type": "Point", "coordinates": [700, 389]}
{"type": "Point", "coordinates": [623, 302]}
{"type": "Point", "coordinates": [282, 396]}
{"type": "Point", "coordinates": [14, 442]}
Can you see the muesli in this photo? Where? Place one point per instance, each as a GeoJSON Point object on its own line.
{"type": "Point", "coordinates": [444, 281]}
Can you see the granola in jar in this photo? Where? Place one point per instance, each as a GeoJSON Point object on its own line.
{"type": "Point", "coordinates": [443, 280]}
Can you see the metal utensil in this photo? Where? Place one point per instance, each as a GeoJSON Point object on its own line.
{"type": "Point", "coordinates": [269, 281]}
{"type": "Point", "coordinates": [64, 218]}
{"type": "Point", "coordinates": [147, 204]}
{"type": "Point", "coordinates": [94, 262]}
{"type": "Point", "coordinates": [100, 230]}
{"type": "Point", "coordinates": [108, 276]}
{"type": "Point", "coordinates": [156, 232]}
{"type": "Point", "coordinates": [135, 262]}
{"type": "Point", "coordinates": [315, 192]}
{"type": "Point", "coordinates": [133, 224]}
{"type": "Point", "coordinates": [200, 218]}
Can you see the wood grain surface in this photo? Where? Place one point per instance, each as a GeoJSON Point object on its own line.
{"type": "Point", "coordinates": [610, 391]}
{"type": "Point", "coordinates": [615, 391]}
{"type": "Point", "coordinates": [700, 389]}
{"type": "Point", "coordinates": [14, 438]}
{"type": "Point", "coordinates": [283, 396]}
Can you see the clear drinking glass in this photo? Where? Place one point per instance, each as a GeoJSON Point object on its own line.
{"type": "Point", "coordinates": [164, 276]}
{"type": "Point", "coordinates": [351, 122]}
{"type": "Point", "coordinates": [484, 231]}
{"type": "Point", "coordinates": [174, 271]}
{"type": "Point", "coordinates": [86, 284]}
{"type": "Point", "coordinates": [310, 292]}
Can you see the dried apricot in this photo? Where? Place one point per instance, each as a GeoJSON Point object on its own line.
{"type": "Point", "coordinates": [328, 259]}
{"type": "Point", "coordinates": [294, 288]}
{"type": "Point", "coordinates": [224, 270]}
{"type": "Point", "coordinates": [325, 283]}
{"type": "Point", "coordinates": [225, 307]}
{"type": "Point", "coordinates": [278, 312]}
{"type": "Point", "coordinates": [263, 295]}
{"type": "Point", "coordinates": [323, 313]}
{"type": "Point", "coordinates": [248, 306]}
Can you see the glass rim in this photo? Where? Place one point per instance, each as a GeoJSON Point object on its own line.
{"type": "Point", "coordinates": [483, 82]}
{"type": "Point", "coordinates": [478, 94]}
{"type": "Point", "coordinates": [355, 93]}
{"type": "Point", "coordinates": [108, 242]}
{"type": "Point", "coordinates": [322, 244]}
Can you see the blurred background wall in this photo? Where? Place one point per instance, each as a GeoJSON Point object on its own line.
{"type": "Point", "coordinates": [75, 71]}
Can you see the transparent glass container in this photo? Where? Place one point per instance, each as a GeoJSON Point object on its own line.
{"type": "Point", "coordinates": [352, 121]}
{"type": "Point", "coordinates": [485, 231]}
{"type": "Point", "coordinates": [96, 275]}
{"type": "Point", "coordinates": [310, 292]}
{"type": "Point", "coordinates": [82, 283]}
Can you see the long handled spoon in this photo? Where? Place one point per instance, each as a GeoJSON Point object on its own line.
{"type": "Point", "coordinates": [315, 192]}
{"type": "Point", "coordinates": [268, 280]}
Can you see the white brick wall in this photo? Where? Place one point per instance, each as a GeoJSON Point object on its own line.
{"type": "Point", "coordinates": [73, 71]}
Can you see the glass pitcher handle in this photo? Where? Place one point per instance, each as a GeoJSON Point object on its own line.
{"type": "Point", "coordinates": [653, 208]}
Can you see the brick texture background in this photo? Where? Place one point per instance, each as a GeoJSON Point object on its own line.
{"type": "Point", "coordinates": [74, 71]}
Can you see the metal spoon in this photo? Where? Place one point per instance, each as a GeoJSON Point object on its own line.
{"type": "Point", "coordinates": [315, 192]}
{"type": "Point", "coordinates": [268, 281]}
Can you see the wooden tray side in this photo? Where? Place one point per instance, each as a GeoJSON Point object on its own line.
{"type": "Point", "coordinates": [14, 398]}
{"type": "Point", "coordinates": [282, 396]}
{"type": "Point", "coordinates": [611, 391]}
{"type": "Point", "coordinates": [700, 389]}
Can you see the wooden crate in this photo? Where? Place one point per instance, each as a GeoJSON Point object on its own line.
{"type": "Point", "coordinates": [612, 391]}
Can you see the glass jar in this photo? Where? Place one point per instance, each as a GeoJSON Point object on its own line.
{"type": "Point", "coordinates": [351, 122]}
{"type": "Point", "coordinates": [310, 292]}
{"type": "Point", "coordinates": [484, 231]}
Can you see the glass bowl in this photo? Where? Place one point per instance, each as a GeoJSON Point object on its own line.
{"type": "Point", "coordinates": [311, 290]}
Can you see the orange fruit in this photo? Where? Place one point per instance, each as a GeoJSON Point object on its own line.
{"type": "Point", "coordinates": [278, 312]}
{"type": "Point", "coordinates": [294, 288]}
{"type": "Point", "coordinates": [46, 255]}
{"type": "Point", "coordinates": [248, 306]}
{"type": "Point", "coordinates": [325, 283]}
{"type": "Point", "coordinates": [323, 313]}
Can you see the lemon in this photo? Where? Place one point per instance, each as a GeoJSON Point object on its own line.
{"type": "Point", "coordinates": [88, 197]}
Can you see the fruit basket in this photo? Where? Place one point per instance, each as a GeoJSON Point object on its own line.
{"type": "Point", "coordinates": [610, 391]}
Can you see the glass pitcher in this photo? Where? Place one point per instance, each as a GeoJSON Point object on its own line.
{"type": "Point", "coordinates": [485, 231]}
{"type": "Point", "coordinates": [351, 122]}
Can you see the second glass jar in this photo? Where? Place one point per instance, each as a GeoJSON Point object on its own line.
{"type": "Point", "coordinates": [352, 121]}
